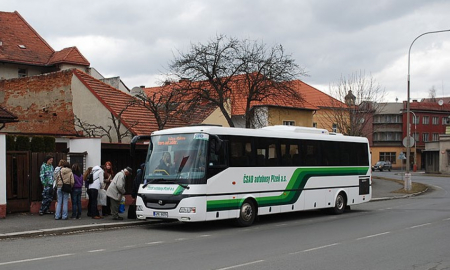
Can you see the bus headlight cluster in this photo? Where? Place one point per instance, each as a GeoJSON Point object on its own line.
{"type": "Point", "coordinates": [139, 208]}
{"type": "Point", "coordinates": [185, 210]}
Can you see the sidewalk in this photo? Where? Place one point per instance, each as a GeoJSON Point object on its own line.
{"type": "Point", "coordinates": [26, 224]}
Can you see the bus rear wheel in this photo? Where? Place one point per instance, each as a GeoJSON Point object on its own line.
{"type": "Point", "coordinates": [339, 204]}
{"type": "Point", "coordinates": [247, 214]}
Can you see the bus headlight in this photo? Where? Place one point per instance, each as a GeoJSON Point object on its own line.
{"type": "Point", "coordinates": [188, 210]}
{"type": "Point", "coordinates": [139, 208]}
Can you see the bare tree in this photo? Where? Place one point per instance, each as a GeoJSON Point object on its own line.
{"type": "Point", "coordinates": [224, 67]}
{"type": "Point", "coordinates": [95, 130]}
{"type": "Point", "coordinates": [356, 99]}
{"type": "Point", "coordinates": [165, 104]}
{"type": "Point", "coordinates": [432, 94]}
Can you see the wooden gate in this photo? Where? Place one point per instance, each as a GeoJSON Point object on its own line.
{"type": "Point", "coordinates": [23, 185]}
{"type": "Point", "coordinates": [17, 181]}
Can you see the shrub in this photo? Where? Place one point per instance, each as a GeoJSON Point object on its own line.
{"type": "Point", "coordinates": [37, 144]}
{"type": "Point", "coordinates": [10, 143]}
{"type": "Point", "coordinates": [22, 143]}
{"type": "Point", "coordinates": [50, 145]}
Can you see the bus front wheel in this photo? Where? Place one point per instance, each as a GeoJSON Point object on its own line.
{"type": "Point", "coordinates": [339, 204]}
{"type": "Point", "coordinates": [247, 214]}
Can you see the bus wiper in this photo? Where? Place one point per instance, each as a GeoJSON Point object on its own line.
{"type": "Point", "coordinates": [185, 186]}
{"type": "Point", "coordinates": [153, 181]}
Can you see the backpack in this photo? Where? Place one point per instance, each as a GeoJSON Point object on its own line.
{"type": "Point", "coordinates": [91, 178]}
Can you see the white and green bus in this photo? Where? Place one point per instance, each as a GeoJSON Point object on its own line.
{"type": "Point", "coordinates": [201, 173]}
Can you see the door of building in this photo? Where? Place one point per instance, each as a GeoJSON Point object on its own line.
{"type": "Point", "coordinates": [17, 181]}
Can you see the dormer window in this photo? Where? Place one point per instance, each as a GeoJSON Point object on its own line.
{"type": "Point", "coordinates": [22, 72]}
{"type": "Point", "coordinates": [22, 46]}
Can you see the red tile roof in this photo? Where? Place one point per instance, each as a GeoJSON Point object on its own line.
{"type": "Point", "coordinates": [315, 97]}
{"type": "Point", "coordinates": [15, 31]}
{"type": "Point", "coordinates": [428, 106]}
{"type": "Point", "coordinates": [20, 43]}
{"type": "Point", "coordinates": [312, 98]}
{"type": "Point", "coordinates": [136, 118]}
{"type": "Point", "coordinates": [69, 55]}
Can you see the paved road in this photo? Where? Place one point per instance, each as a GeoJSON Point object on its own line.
{"type": "Point", "coordinates": [410, 233]}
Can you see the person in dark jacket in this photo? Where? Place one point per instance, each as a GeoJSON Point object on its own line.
{"type": "Point", "coordinates": [76, 191]}
{"type": "Point", "coordinates": [138, 180]}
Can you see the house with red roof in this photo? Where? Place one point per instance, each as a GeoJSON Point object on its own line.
{"type": "Point", "coordinates": [274, 110]}
{"type": "Point", "coordinates": [23, 52]}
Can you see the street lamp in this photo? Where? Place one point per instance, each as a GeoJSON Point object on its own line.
{"type": "Point", "coordinates": [408, 131]}
{"type": "Point", "coordinates": [415, 140]}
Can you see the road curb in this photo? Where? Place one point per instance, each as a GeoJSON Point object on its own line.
{"type": "Point", "coordinates": [74, 229]}
{"type": "Point", "coordinates": [400, 196]}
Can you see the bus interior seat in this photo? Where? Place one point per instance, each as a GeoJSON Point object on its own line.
{"type": "Point", "coordinates": [260, 160]}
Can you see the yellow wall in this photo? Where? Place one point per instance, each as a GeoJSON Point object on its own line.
{"type": "Point", "coordinates": [216, 118]}
{"type": "Point", "coordinates": [300, 117]}
{"type": "Point", "coordinates": [326, 117]}
{"type": "Point", "coordinates": [375, 150]}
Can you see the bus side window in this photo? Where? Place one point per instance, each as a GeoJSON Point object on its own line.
{"type": "Point", "coordinates": [216, 158]}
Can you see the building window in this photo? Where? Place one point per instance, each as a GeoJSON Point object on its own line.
{"type": "Point", "coordinates": [289, 123]}
{"type": "Point", "coordinates": [416, 137]}
{"type": "Point", "coordinates": [445, 121]}
{"type": "Point", "coordinates": [435, 120]}
{"type": "Point", "coordinates": [435, 137]}
{"type": "Point", "coordinates": [388, 156]}
{"type": "Point", "coordinates": [426, 120]}
{"type": "Point", "coordinates": [415, 119]}
{"type": "Point", "coordinates": [425, 137]}
{"type": "Point", "coordinates": [334, 128]}
{"type": "Point", "coordinates": [22, 72]}
{"type": "Point", "coordinates": [315, 125]}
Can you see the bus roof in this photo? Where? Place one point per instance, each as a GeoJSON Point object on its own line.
{"type": "Point", "coordinates": [291, 132]}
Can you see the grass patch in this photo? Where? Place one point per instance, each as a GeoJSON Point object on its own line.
{"type": "Point", "coordinates": [416, 187]}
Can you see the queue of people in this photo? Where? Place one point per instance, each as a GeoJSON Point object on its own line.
{"type": "Point", "coordinates": [104, 189]}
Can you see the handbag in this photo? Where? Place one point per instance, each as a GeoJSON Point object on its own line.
{"type": "Point", "coordinates": [65, 187]}
{"type": "Point", "coordinates": [101, 197]}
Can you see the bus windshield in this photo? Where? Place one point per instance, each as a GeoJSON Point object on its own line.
{"type": "Point", "coordinates": [177, 158]}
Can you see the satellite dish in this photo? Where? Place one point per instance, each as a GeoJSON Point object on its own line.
{"type": "Point", "coordinates": [441, 102]}
{"type": "Point", "coordinates": [137, 91]}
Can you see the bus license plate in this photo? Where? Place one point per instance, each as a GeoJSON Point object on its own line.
{"type": "Point", "coordinates": [161, 214]}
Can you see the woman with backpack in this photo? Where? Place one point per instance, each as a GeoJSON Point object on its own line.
{"type": "Point", "coordinates": [63, 177]}
{"type": "Point", "coordinates": [96, 181]}
{"type": "Point", "coordinates": [76, 191]}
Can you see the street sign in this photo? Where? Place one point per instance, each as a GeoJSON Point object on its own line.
{"type": "Point", "coordinates": [411, 141]}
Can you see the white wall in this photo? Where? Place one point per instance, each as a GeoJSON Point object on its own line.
{"type": "Point", "coordinates": [92, 146]}
{"type": "Point", "coordinates": [2, 169]}
{"type": "Point", "coordinates": [90, 110]}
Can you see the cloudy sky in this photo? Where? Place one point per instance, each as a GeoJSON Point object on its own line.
{"type": "Point", "coordinates": [137, 39]}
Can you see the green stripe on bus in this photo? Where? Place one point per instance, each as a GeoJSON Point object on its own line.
{"type": "Point", "coordinates": [179, 190]}
{"type": "Point", "coordinates": [293, 189]}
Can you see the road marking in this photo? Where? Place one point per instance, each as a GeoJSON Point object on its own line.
{"type": "Point", "coordinates": [37, 259]}
{"type": "Point", "coordinates": [155, 243]}
{"type": "Point", "coordinates": [316, 248]}
{"type": "Point", "coordinates": [240, 265]}
{"type": "Point", "coordinates": [204, 235]}
{"type": "Point", "coordinates": [373, 235]}
{"type": "Point", "coordinates": [418, 226]}
{"type": "Point", "coordinates": [447, 219]}
{"type": "Point", "coordinates": [130, 246]}
{"type": "Point", "coordinates": [96, 250]}
{"type": "Point", "coordinates": [180, 239]}
{"type": "Point", "coordinates": [282, 224]}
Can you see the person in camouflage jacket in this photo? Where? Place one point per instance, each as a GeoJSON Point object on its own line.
{"type": "Point", "coordinates": [46, 176]}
